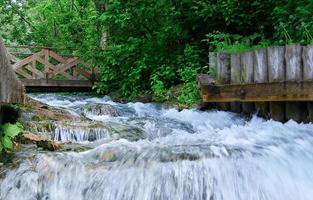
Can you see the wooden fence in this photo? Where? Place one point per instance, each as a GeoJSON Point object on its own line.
{"type": "Point", "coordinates": [276, 82]}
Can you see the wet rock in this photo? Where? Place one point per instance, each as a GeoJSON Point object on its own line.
{"type": "Point", "coordinates": [37, 111]}
{"type": "Point", "coordinates": [109, 156]}
{"type": "Point", "coordinates": [49, 145]}
{"type": "Point", "coordinates": [29, 138]}
{"type": "Point", "coordinates": [101, 109]}
{"type": "Point", "coordinates": [127, 132]}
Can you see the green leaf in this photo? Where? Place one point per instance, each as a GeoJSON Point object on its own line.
{"type": "Point", "coordinates": [11, 130]}
{"type": "Point", "coordinates": [7, 143]}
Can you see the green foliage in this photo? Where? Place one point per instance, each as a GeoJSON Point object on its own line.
{"type": "Point", "coordinates": [154, 45]}
{"type": "Point", "coordinates": [7, 133]}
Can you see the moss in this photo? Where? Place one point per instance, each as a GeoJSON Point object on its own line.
{"type": "Point", "coordinates": [36, 118]}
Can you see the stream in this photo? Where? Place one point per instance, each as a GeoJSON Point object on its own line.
{"type": "Point", "coordinates": [139, 151]}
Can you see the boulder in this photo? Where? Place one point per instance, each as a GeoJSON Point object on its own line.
{"type": "Point", "coordinates": [101, 109]}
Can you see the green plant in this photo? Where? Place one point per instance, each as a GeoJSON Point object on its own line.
{"type": "Point", "coordinates": [7, 133]}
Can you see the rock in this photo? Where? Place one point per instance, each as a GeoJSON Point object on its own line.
{"type": "Point", "coordinates": [109, 156]}
{"type": "Point", "coordinates": [49, 145]}
{"type": "Point", "coordinates": [28, 137]}
{"type": "Point", "coordinates": [101, 109]}
{"type": "Point", "coordinates": [40, 111]}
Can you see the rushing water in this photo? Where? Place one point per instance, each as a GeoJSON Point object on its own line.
{"type": "Point", "coordinates": [147, 151]}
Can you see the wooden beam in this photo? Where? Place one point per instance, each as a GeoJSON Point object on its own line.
{"type": "Point", "coordinates": [82, 72]}
{"type": "Point", "coordinates": [56, 83]}
{"type": "Point", "coordinates": [34, 71]}
{"type": "Point", "coordinates": [24, 74]}
{"type": "Point", "coordinates": [57, 57]}
{"type": "Point", "coordinates": [258, 92]}
{"type": "Point", "coordinates": [62, 67]}
{"type": "Point", "coordinates": [27, 60]}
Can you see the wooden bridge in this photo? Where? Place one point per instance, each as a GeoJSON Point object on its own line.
{"type": "Point", "coordinates": [47, 71]}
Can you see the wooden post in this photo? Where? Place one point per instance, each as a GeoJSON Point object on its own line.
{"type": "Point", "coordinates": [235, 77]}
{"type": "Point", "coordinates": [261, 76]}
{"type": "Point", "coordinates": [34, 66]}
{"type": "Point", "coordinates": [223, 75]}
{"type": "Point", "coordinates": [307, 57]}
{"type": "Point", "coordinates": [276, 73]}
{"type": "Point", "coordinates": [247, 77]}
{"type": "Point", "coordinates": [294, 110]}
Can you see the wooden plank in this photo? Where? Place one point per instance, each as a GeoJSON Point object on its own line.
{"type": "Point", "coordinates": [235, 77]}
{"type": "Point", "coordinates": [55, 83]}
{"type": "Point", "coordinates": [276, 73]}
{"type": "Point", "coordinates": [223, 75]}
{"type": "Point", "coordinates": [55, 69]}
{"type": "Point", "coordinates": [57, 57]}
{"type": "Point", "coordinates": [261, 76]}
{"type": "Point", "coordinates": [294, 73]}
{"type": "Point", "coordinates": [223, 67]}
{"type": "Point", "coordinates": [34, 71]}
{"type": "Point", "coordinates": [307, 57]}
{"type": "Point", "coordinates": [64, 66]}
{"type": "Point", "coordinates": [83, 73]}
{"type": "Point", "coordinates": [258, 92]}
{"type": "Point", "coordinates": [22, 73]}
{"type": "Point", "coordinates": [247, 76]}
{"type": "Point", "coordinates": [27, 60]}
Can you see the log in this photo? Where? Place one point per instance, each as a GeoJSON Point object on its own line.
{"type": "Point", "coordinates": [247, 76]}
{"type": "Point", "coordinates": [294, 73]}
{"type": "Point", "coordinates": [307, 57]}
{"type": "Point", "coordinates": [235, 77]}
{"type": "Point", "coordinates": [276, 73]}
{"type": "Point", "coordinates": [223, 75]}
{"type": "Point", "coordinates": [261, 76]}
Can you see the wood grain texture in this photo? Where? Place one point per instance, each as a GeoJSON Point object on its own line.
{"type": "Point", "coordinates": [11, 89]}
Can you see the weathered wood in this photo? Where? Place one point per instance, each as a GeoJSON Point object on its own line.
{"type": "Point", "coordinates": [56, 83]}
{"type": "Point", "coordinates": [223, 74]}
{"type": "Point", "coordinates": [307, 57]}
{"type": "Point", "coordinates": [67, 68]}
{"type": "Point", "coordinates": [64, 66]}
{"type": "Point", "coordinates": [261, 76]}
{"type": "Point", "coordinates": [27, 60]}
{"type": "Point", "coordinates": [293, 63]}
{"type": "Point", "coordinates": [276, 73]}
{"type": "Point", "coordinates": [223, 67]}
{"type": "Point", "coordinates": [11, 89]}
{"type": "Point", "coordinates": [35, 72]}
{"type": "Point", "coordinates": [247, 76]}
{"type": "Point", "coordinates": [294, 73]}
{"type": "Point", "coordinates": [259, 92]}
{"type": "Point", "coordinates": [82, 72]}
{"type": "Point", "coordinates": [276, 64]}
{"type": "Point", "coordinates": [212, 59]}
{"type": "Point", "coordinates": [235, 76]}
{"type": "Point", "coordinates": [23, 74]}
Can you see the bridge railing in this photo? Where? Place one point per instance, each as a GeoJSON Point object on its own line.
{"type": "Point", "coordinates": [47, 64]}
